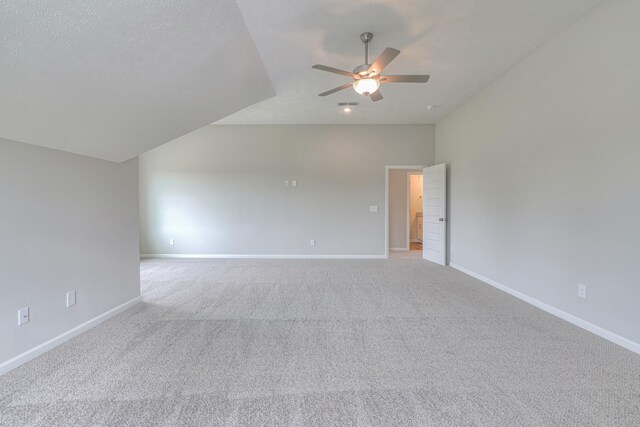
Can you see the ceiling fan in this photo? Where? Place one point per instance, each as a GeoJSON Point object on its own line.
{"type": "Point", "coordinates": [367, 78]}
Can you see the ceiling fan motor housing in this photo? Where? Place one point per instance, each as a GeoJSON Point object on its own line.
{"type": "Point", "coordinates": [362, 70]}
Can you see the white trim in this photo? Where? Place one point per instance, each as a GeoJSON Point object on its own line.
{"type": "Point", "coordinates": [581, 323]}
{"type": "Point", "coordinates": [66, 336]}
{"type": "Point", "coordinates": [399, 249]}
{"type": "Point", "coordinates": [260, 256]}
{"type": "Point", "coordinates": [386, 200]}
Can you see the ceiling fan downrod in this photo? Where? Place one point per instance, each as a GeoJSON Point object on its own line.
{"type": "Point", "coordinates": [366, 38]}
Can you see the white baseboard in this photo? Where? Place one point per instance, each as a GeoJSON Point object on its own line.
{"type": "Point", "coordinates": [581, 323]}
{"type": "Point", "coordinates": [260, 256]}
{"type": "Point", "coordinates": [66, 336]}
{"type": "Point", "coordinates": [399, 249]}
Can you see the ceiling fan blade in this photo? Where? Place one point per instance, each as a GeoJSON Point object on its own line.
{"type": "Point", "coordinates": [376, 96]}
{"type": "Point", "coordinates": [405, 79]}
{"type": "Point", "coordinates": [337, 89]}
{"type": "Point", "coordinates": [383, 60]}
{"type": "Point", "coordinates": [332, 70]}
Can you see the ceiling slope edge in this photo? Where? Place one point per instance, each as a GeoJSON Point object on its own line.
{"type": "Point", "coordinates": [112, 80]}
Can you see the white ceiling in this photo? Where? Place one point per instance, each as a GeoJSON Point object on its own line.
{"type": "Point", "coordinates": [463, 44]}
{"type": "Point", "coordinates": [112, 79]}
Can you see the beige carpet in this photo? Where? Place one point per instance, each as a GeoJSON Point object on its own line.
{"type": "Point", "coordinates": [320, 343]}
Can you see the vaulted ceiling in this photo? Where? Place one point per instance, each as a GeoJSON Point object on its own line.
{"type": "Point", "coordinates": [463, 44]}
{"type": "Point", "coordinates": [114, 79]}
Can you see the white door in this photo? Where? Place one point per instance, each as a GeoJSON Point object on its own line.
{"type": "Point", "coordinates": [434, 243]}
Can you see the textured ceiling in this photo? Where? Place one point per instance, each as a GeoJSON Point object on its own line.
{"type": "Point", "coordinates": [112, 79]}
{"type": "Point", "coordinates": [463, 44]}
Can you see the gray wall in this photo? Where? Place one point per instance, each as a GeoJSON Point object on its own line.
{"type": "Point", "coordinates": [545, 173]}
{"type": "Point", "coordinates": [220, 190]}
{"type": "Point", "coordinates": [67, 222]}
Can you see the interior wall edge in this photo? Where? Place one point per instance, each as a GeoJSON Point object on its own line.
{"type": "Point", "coordinates": [65, 336]}
{"type": "Point", "coordinates": [575, 320]}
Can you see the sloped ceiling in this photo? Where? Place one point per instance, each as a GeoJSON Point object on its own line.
{"type": "Point", "coordinates": [463, 44]}
{"type": "Point", "coordinates": [112, 79]}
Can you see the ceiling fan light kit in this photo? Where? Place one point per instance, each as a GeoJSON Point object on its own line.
{"type": "Point", "coordinates": [366, 86]}
{"type": "Point", "coordinates": [367, 78]}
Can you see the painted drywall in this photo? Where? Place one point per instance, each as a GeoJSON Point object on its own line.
{"type": "Point", "coordinates": [415, 205]}
{"type": "Point", "coordinates": [220, 190]}
{"type": "Point", "coordinates": [68, 222]}
{"type": "Point", "coordinates": [545, 177]}
{"type": "Point", "coordinates": [113, 79]}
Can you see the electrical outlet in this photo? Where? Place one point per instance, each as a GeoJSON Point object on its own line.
{"type": "Point", "coordinates": [312, 242]}
{"type": "Point", "coordinates": [582, 290]}
{"type": "Point", "coordinates": [373, 209]}
{"type": "Point", "coordinates": [71, 298]}
{"type": "Point", "coordinates": [23, 316]}
{"type": "Point", "coordinates": [172, 242]}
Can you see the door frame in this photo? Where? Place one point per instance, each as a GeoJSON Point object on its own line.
{"type": "Point", "coordinates": [386, 202]}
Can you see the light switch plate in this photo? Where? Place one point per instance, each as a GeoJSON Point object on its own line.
{"type": "Point", "coordinates": [286, 183]}
{"type": "Point", "coordinates": [172, 242]}
{"type": "Point", "coordinates": [23, 316]}
{"type": "Point", "coordinates": [312, 242]}
{"type": "Point", "coordinates": [373, 209]}
{"type": "Point", "coordinates": [294, 183]}
{"type": "Point", "coordinates": [71, 298]}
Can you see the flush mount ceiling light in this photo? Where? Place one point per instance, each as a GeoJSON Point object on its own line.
{"type": "Point", "coordinates": [347, 106]}
{"type": "Point", "coordinates": [367, 78]}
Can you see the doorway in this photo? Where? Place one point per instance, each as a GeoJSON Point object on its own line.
{"type": "Point", "coordinates": [404, 211]}
{"type": "Point", "coordinates": [434, 216]}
